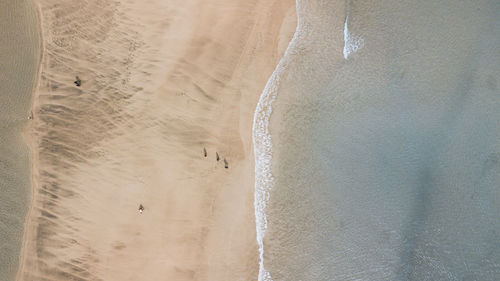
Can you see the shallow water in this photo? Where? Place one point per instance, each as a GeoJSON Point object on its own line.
{"type": "Point", "coordinates": [386, 165]}
{"type": "Point", "coordinates": [19, 50]}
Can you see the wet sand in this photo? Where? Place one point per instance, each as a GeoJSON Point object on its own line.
{"type": "Point", "coordinates": [160, 81]}
{"type": "Point", "coordinates": [19, 57]}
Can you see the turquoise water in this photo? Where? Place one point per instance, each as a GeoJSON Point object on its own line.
{"type": "Point", "coordinates": [19, 50]}
{"type": "Point", "coordinates": [386, 165]}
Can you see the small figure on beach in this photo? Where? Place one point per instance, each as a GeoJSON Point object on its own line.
{"type": "Point", "coordinates": [226, 164]}
{"type": "Point", "coordinates": [141, 208]}
{"type": "Point", "coordinates": [217, 156]}
{"type": "Point", "coordinates": [78, 82]}
{"type": "Point", "coordinates": [30, 116]}
{"type": "Point", "coordinates": [205, 152]}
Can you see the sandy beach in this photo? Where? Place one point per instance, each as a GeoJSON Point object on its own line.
{"type": "Point", "coordinates": [161, 81]}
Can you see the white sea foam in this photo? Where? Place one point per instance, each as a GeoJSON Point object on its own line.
{"type": "Point", "coordinates": [351, 43]}
{"type": "Point", "coordinates": [262, 141]}
{"type": "Point", "coordinates": [263, 154]}
{"type": "Point", "coordinates": [264, 181]}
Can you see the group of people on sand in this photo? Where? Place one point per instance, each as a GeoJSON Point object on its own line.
{"type": "Point", "coordinates": [217, 157]}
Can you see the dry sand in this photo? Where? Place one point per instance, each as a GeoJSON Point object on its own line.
{"type": "Point", "coordinates": [161, 80]}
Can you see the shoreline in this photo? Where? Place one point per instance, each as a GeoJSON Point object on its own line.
{"type": "Point", "coordinates": [263, 152]}
{"type": "Point", "coordinates": [21, 56]}
{"type": "Point", "coordinates": [28, 137]}
{"type": "Point", "coordinates": [280, 93]}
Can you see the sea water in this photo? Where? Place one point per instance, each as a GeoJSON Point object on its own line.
{"type": "Point", "coordinates": [382, 164]}
{"type": "Point", "coordinates": [19, 51]}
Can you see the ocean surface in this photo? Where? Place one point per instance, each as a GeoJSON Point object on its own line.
{"type": "Point", "coordinates": [377, 144]}
{"type": "Point", "coordinates": [19, 51]}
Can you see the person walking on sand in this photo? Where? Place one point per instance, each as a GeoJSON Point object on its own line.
{"type": "Point", "coordinates": [78, 82]}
